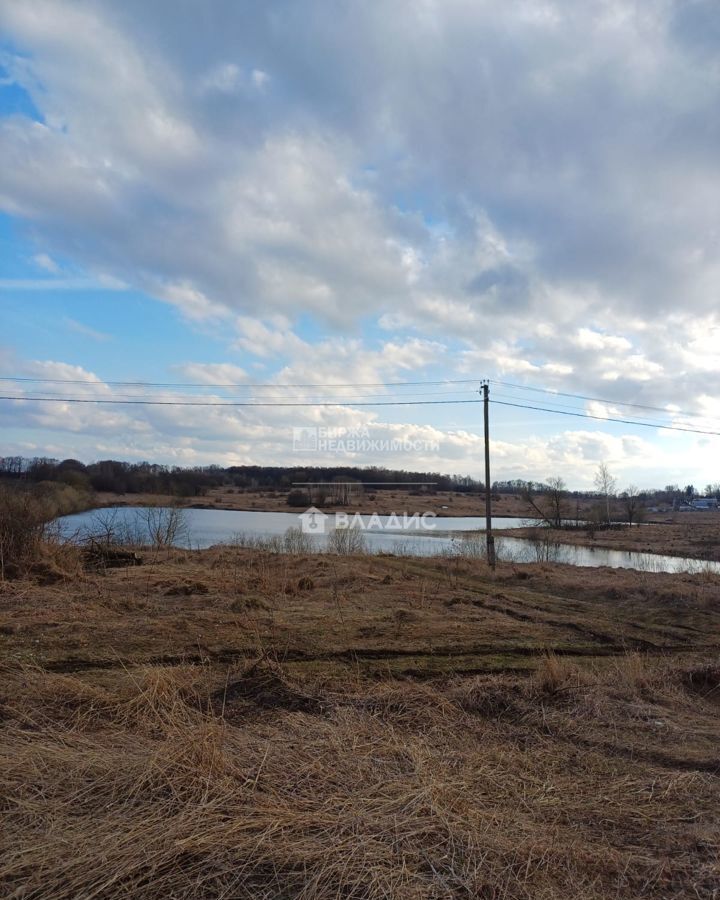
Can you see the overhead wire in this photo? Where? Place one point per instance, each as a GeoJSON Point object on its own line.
{"type": "Point", "coordinates": [126, 396]}
{"type": "Point", "coordinates": [50, 397]}
{"type": "Point", "coordinates": [237, 384]}
{"type": "Point", "coordinates": [553, 392]}
{"type": "Point", "coordinates": [233, 403]}
{"type": "Point", "coordinates": [581, 415]}
{"type": "Point", "coordinates": [248, 386]}
{"type": "Point", "coordinates": [648, 419]}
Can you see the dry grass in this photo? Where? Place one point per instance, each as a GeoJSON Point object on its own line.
{"type": "Point", "coordinates": [28, 541]}
{"type": "Point", "coordinates": [177, 782]}
{"type": "Point", "coordinates": [381, 614]}
{"type": "Point", "coordinates": [382, 502]}
{"type": "Point", "coordinates": [692, 534]}
{"type": "Point", "coordinates": [314, 766]}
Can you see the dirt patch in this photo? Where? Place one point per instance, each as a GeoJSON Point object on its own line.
{"type": "Point", "coordinates": [705, 681]}
{"type": "Point", "coordinates": [263, 685]}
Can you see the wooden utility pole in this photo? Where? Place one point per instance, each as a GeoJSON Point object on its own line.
{"type": "Point", "coordinates": [488, 492]}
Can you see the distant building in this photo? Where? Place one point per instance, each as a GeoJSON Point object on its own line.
{"type": "Point", "coordinates": [704, 503]}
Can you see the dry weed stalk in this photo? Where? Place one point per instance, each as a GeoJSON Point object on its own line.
{"type": "Point", "coordinates": [150, 789]}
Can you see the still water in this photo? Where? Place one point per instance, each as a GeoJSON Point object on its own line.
{"type": "Point", "coordinates": [206, 527]}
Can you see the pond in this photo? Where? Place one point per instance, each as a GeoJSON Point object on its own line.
{"type": "Point", "coordinates": [382, 534]}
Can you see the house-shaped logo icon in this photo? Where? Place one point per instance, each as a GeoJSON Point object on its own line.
{"type": "Point", "coordinates": [305, 438]}
{"type": "Point", "coordinates": [312, 521]}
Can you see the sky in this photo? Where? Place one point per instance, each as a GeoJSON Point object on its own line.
{"type": "Point", "coordinates": [360, 194]}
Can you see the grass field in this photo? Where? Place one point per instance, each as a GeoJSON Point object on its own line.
{"type": "Point", "coordinates": [695, 535]}
{"type": "Point", "coordinates": [237, 723]}
{"type": "Point", "coordinates": [382, 502]}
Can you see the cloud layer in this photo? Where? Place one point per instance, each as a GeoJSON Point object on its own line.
{"type": "Point", "coordinates": [529, 190]}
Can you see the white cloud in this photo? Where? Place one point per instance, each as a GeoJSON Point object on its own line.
{"type": "Point", "coordinates": [587, 339]}
{"type": "Point", "coordinates": [259, 78]}
{"type": "Point", "coordinates": [53, 284]}
{"type": "Point", "coordinates": [190, 301]}
{"type": "Point", "coordinates": [226, 78]}
{"type": "Point", "coordinates": [213, 373]}
{"type": "Point", "coordinates": [231, 78]}
{"type": "Point", "coordinates": [527, 190]}
{"type": "Point", "coordinates": [44, 261]}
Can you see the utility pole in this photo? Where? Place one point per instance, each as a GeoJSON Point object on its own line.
{"type": "Point", "coordinates": [488, 494]}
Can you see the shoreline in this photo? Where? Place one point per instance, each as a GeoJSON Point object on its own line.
{"type": "Point", "coordinates": [689, 535]}
{"type": "Point", "coordinates": [662, 540]}
{"type": "Point", "coordinates": [658, 540]}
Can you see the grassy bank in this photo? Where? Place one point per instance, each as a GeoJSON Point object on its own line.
{"type": "Point", "coordinates": [694, 535]}
{"type": "Point", "coordinates": [238, 723]}
{"type": "Point", "coordinates": [226, 604]}
{"type": "Point", "coordinates": [28, 538]}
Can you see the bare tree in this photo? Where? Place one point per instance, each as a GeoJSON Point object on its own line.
{"type": "Point", "coordinates": [633, 503]}
{"type": "Point", "coordinates": [104, 528]}
{"type": "Point", "coordinates": [606, 485]}
{"type": "Point", "coordinates": [550, 503]}
{"type": "Point", "coordinates": [297, 542]}
{"type": "Point", "coordinates": [166, 526]}
{"type": "Point", "coordinates": [346, 541]}
{"type": "Point", "coordinates": [346, 490]}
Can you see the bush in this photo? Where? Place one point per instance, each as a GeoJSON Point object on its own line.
{"type": "Point", "coordinates": [297, 542]}
{"type": "Point", "coordinates": [23, 527]}
{"type": "Point", "coordinates": [61, 499]}
{"type": "Point", "coordinates": [553, 675]}
{"type": "Point", "coordinates": [298, 499]}
{"type": "Point", "coordinates": [346, 541]}
{"type": "Point", "coordinates": [164, 526]}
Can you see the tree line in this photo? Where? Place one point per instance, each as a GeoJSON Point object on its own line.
{"type": "Point", "coordinates": [552, 501]}
{"type": "Point", "coordinates": [318, 484]}
{"type": "Point", "coordinates": [116, 476]}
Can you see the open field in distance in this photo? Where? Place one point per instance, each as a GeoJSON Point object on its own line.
{"type": "Point", "coordinates": [382, 502]}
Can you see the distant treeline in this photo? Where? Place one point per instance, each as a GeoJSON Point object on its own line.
{"type": "Point", "coordinates": [115, 476]}
{"type": "Point", "coordinates": [135, 478]}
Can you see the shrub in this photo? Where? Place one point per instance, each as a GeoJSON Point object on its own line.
{"type": "Point", "coordinates": [297, 542]}
{"type": "Point", "coordinates": [346, 541]}
{"type": "Point", "coordinates": [471, 546]}
{"type": "Point", "coordinates": [553, 675]}
{"type": "Point", "coordinates": [298, 499]}
{"type": "Point", "coordinates": [23, 526]}
{"type": "Point", "coordinates": [165, 526]}
{"type": "Point", "coordinates": [60, 499]}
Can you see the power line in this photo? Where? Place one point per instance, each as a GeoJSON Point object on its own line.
{"type": "Point", "coordinates": [245, 385]}
{"type": "Point", "coordinates": [248, 386]}
{"type": "Point", "coordinates": [52, 395]}
{"type": "Point", "coordinates": [335, 403]}
{"type": "Point", "coordinates": [241, 403]}
{"type": "Point", "coordinates": [648, 419]}
{"type": "Point", "coordinates": [579, 415]}
{"type": "Point", "coordinates": [524, 387]}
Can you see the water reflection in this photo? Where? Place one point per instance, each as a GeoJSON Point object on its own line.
{"type": "Point", "coordinates": [281, 532]}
